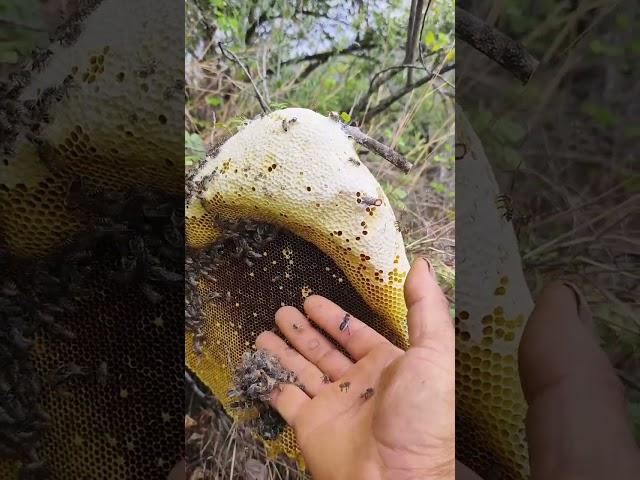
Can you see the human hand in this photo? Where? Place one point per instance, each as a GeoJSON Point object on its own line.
{"type": "Point", "coordinates": [406, 429]}
{"type": "Point", "coordinates": [577, 424]}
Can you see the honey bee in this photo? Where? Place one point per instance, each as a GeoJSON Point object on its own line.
{"type": "Point", "coordinates": [286, 123]}
{"type": "Point", "coordinates": [149, 69]}
{"type": "Point", "coordinates": [345, 323]}
{"type": "Point", "coordinates": [20, 79]}
{"type": "Point", "coordinates": [40, 59]}
{"type": "Point", "coordinates": [367, 394]}
{"type": "Point", "coordinates": [505, 202]}
{"type": "Point", "coordinates": [371, 201]}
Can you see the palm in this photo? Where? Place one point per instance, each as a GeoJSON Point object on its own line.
{"type": "Point", "coordinates": [341, 433]}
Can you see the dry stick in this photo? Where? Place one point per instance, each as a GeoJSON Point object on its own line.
{"type": "Point", "coordinates": [234, 57]}
{"type": "Point", "coordinates": [372, 144]}
{"type": "Point", "coordinates": [380, 148]}
{"type": "Point", "coordinates": [505, 51]}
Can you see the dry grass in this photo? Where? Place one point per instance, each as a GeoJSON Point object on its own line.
{"type": "Point", "coordinates": [217, 448]}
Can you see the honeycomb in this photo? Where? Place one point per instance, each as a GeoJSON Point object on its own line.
{"type": "Point", "coordinates": [103, 107]}
{"type": "Point", "coordinates": [92, 249]}
{"type": "Point", "coordinates": [336, 237]}
{"type": "Point", "coordinates": [492, 305]}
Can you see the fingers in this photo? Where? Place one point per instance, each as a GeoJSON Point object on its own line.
{"type": "Point", "coordinates": [355, 336]}
{"type": "Point", "coordinates": [289, 401]}
{"type": "Point", "coordinates": [576, 404]}
{"type": "Point", "coordinates": [311, 343]}
{"type": "Point", "coordinates": [428, 309]}
{"type": "Point", "coordinates": [309, 377]}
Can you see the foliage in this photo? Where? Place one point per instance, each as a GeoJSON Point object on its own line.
{"type": "Point", "coordinates": [21, 31]}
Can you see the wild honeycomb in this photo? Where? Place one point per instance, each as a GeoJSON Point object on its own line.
{"type": "Point", "coordinates": [92, 249]}
{"type": "Point", "coordinates": [336, 238]}
{"type": "Point", "coordinates": [492, 305]}
{"type": "Point", "coordinates": [102, 107]}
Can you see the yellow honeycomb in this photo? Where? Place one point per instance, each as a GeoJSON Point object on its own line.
{"type": "Point", "coordinates": [492, 305]}
{"type": "Point", "coordinates": [337, 239]}
{"type": "Point", "coordinates": [111, 102]}
{"type": "Point", "coordinates": [489, 402]}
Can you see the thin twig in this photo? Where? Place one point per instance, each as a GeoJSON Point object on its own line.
{"type": "Point", "coordinates": [234, 57]}
{"type": "Point", "coordinates": [420, 49]}
{"type": "Point", "coordinates": [508, 53]}
{"type": "Point", "coordinates": [391, 99]}
{"type": "Point", "coordinates": [324, 56]}
{"type": "Point", "coordinates": [372, 144]}
{"type": "Point", "coordinates": [373, 85]}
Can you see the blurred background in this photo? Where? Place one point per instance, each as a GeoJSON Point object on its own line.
{"type": "Point", "coordinates": [359, 58]}
{"type": "Point", "coordinates": [564, 150]}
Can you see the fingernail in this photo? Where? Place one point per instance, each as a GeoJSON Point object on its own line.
{"type": "Point", "coordinates": [584, 312]}
{"type": "Point", "coordinates": [429, 267]}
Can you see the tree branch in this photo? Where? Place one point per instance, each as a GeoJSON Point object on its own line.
{"type": "Point", "coordinates": [372, 144]}
{"type": "Point", "coordinates": [373, 84]}
{"type": "Point", "coordinates": [234, 57]}
{"type": "Point", "coordinates": [508, 53]}
{"type": "Point", "coordinates": [413, 38]}
{"type": "Point", "coordinates": [324, 56]}
{"type": "Point", "coordinates": [420, 44]}
{"type": "Point", "coordinates": [407, 48]}
{"type": "Point", "coordinates": [391, 99]}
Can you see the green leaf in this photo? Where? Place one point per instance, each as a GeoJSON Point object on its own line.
{"type": "Point", "coordinates": [346, 118]}
{"type": "Point", "coordinates": [600, 114]}
{"type": "Point", "coordinates": [510, 131]}
{"type": "Point", "coordinates": [430, 38]}
{"type": "Point", "coordinates": [278, 105]}
{"type": "Point", "coordinates": [214, 101]}
{"type": "Point", "coordinates": [193, 148]}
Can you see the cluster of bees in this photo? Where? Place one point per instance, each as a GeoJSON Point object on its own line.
{"type": "Point", "coordinates": [255, 378]}
{"type": "Point", "coordinates": [28, 304]}
{"type": "Point", "coordinates": [68, 32]}
{"type": "Point", "coordinates": [140, 241]}
{"type": "Point", "coordinates": [28, 115]}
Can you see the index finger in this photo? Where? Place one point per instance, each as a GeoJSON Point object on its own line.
{"type": "Point", "coordinates": [357, 338]}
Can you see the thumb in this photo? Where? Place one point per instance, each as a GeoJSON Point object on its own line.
{"type": "Point", "coordinates": [577, 426]}
{"type": "Point", "coordinates": [428, 309]}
